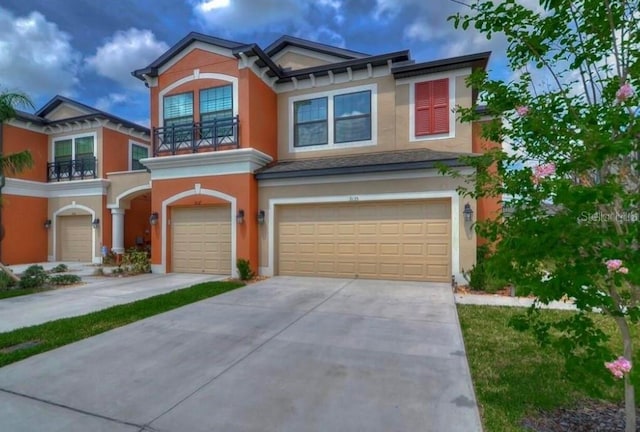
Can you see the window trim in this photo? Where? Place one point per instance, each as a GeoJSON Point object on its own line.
{"type": "Point", "coordinates": [336, 119]}
{"type": "Point", "coordinates": [139, 144]}
{"type": "Point", "coordinates": [331, 144]}
{"type": "Point", "coordinates": [325, 121]}
{"type": "Point", "coordinates": [193, 108]}
{"type": "Point", "coordinates": [54, 140]}
{"type": "Point", "coordinates": [452, 76]}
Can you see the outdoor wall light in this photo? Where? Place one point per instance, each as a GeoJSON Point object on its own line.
{"type": "Point", "coordinates": [240, 216]}
{"type": "Point", "coordinates": [467, 212]}
{"type": "Point", "coordinates": [261, 217]}
{"type": "Point", "coordinates": [95, 223]}
{"type": "Point", "coordinates": [47, 224]}
{"type": "Point", "coordinates": [153, 219]}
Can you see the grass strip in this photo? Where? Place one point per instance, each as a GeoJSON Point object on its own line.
{"type": "Point", "coordinates": [514, 376]}
{"type": "Point", "coordinates": [20, 292]}
{"type": "Point", "coordinates": [54, 334]}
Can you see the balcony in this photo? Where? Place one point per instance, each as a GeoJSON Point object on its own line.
{"type": "Point", "coordinates": [76, 169]}
{"type": "Point", "coordinates": [210, 135]}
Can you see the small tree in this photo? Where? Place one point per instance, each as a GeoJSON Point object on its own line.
{"type": "Point", "coordinates": [16, 162]}
{"type": "Point", "coordinates": [572, 171]}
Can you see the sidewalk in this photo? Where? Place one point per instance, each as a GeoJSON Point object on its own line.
{"type": "Point", "coordinates": [500, 300]}
{"type": "Point", "coordinates": [98, 292]}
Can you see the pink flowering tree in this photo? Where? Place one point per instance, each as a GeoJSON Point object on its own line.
{"type": "Point", "coordinates": [570, 121]}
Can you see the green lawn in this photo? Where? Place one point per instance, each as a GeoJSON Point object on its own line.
{"type": "Point", "coordinates": [20, 292]}
{"type": "Point", "coordinates": [513, 376]}
{"type": "Point", "coordinates": [67, 330]}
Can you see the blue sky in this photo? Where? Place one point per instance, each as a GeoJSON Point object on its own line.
{"type": "Point", "coordinates": [86, 49]}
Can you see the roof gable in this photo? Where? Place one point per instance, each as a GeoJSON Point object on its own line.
{"type": "Point", "coordinates": [286, 44]}
{"type": "Point", "coordinates": [61, 107]}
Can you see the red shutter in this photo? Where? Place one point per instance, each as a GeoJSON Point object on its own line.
{"type": "Point", "coordinates": [432, 107]}
{"type": "Point", "coordinates": [423, 108]}
{"type": "Point", "coordinates": [440, 106]}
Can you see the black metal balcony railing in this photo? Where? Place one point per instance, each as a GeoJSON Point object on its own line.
{"type": "Point", "coordinates": [77, 169]}
{"type": "Point", "coordinates": [213, 135]}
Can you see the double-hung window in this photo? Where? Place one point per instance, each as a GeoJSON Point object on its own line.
{"type": "Point", "coordinates": [352, 117]}
{"type": "Point", "coordinates": [432, 113]}
{"type": "Point", "coordinates": [138, 152]}
{"type": "Point", "coordinates": [216, 113]}
{"type": "Point", "coordinates": [178, 117]}
{"type": "Point", "coordinates": [74, 156]}
{"type": "Point", "coordinates": [337, 118]}
{"type": "Point", "coordinates": [310, 122]}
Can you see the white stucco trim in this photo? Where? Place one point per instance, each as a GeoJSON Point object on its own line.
{"type": "Point", "coordinates": [198, 190]}
{"type": "Point", "coordinates": [326, 58]}
{"type": "Point", "coordinates": [329, 94]}
{"type": "Point", "coordinates": [351, 178]}
{"type": "Point", "coordinates": [238, 161]}
{"type": "Point", "coordinates": [197, 75]}
{"type": "Point", "coordinates": [451, 194]}
{"type": "Point", "coordinates": [127, 193]}
{"type": "Point", "coordinates": [451, 76]}
{"type": "Point", "coordinates": [73, 188]}
{"type": "Point", "coordinates": [96, 259]}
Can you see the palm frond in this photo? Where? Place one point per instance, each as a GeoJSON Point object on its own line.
{"type": "Point", "coordinates": [16, 162]}
{"type": "Point", "coordinates": [9, 101]}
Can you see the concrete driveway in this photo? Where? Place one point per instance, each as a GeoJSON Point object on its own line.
{"type": "Point", "coordinates": [94, 294]}
{"type": "Point", "coordinates": [286, 354]}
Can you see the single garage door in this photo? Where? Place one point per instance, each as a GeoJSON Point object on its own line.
{"type": "Point", "coordinates": [201, 239]}
{"type": "Point", "coordinates": [408, 240]}
{"type": "Point", "coordinates": [75, 236]}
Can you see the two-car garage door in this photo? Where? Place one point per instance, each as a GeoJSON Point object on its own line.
{"type": "Point", "coordinates": [408, 240]}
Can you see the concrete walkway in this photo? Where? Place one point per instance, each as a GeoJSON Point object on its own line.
{"type": "Point", "coordinates": [98, 292]}
{"type": "Point", "coordinates": [283, 355]}
{"type": "Point", "coordinates": [499, 300]}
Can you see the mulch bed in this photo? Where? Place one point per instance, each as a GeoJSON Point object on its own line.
{"type": "Point", "coordinates": [589, 416]}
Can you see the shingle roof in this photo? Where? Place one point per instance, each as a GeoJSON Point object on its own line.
{"type": "Point", "coordinates": [362, 163]}
{"type": "Point", "coordinates": [286, 40]}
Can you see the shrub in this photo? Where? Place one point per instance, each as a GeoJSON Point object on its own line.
{"type": "Point", "coordinates": [34, 277]}
{"type": "Point", "coordinates": [5, 281]}
{"type": "Point", "coordinates": [66, 279]}
{"type": "Point", "coordinates": [244, 269]}
{"type": "Point", "coordinates": [481, 277]}
{"type": "Point", "coordinates": [60, 268]}
{"type": "Point", "coordinates": [137, 261]}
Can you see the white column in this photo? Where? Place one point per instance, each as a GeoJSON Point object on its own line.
{"type": "Point", "coordinates": [117, 231]}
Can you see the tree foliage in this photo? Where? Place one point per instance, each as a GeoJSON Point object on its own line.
{"type": "Point", "coordinates": [16, 162]}
{"type": "Point", "coordinates": [569, 119]}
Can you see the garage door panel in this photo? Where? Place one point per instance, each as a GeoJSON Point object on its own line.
{"type": "Point", "coordinates": [75, 238]}
{"type": "Point", "coordinates": [398, 240]}
{"type": "Point", "coordinates": [201, 239]}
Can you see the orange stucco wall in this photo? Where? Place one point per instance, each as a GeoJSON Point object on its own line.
{"type": "Point", "coordinates": [105, 226]}
{"type": "Point", "coordinates": [487, 208]}
{"type": "Point", "coordinates": [260, 120]}
{"type": "Point", "coordinates": [26, 237]}
{"type": "Point", "coordinates": [196, 59]}
{"type": "Point", "coordinates": [115, 151]}
{"type": "Point", "coordinates": [17, 139]}
{"type": "Point", "coordinates": [136, 221]}
{"type": "Point", "coordinates": [257, 103]}
{"type": "Point", "coordinates": [243, 187]}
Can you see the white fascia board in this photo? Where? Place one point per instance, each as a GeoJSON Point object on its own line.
{"type": "Point", "coordinates": [245, 160]}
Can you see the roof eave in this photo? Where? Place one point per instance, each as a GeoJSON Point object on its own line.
{"type": "Point", "coordinates": [364, 169]}
{"type": "Point", "coordinates": [474, 61]}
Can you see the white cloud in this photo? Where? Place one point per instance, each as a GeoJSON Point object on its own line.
{"type": "Point", "coordinates": [36, 57]}
{"type": "Point", "coordinates": [247, 16]}
{"type": "Point", "coordinates": [124, 52]}
{"type": "Point", "coordinates": [112, 99]}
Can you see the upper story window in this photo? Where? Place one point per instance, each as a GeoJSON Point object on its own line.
{"type": "Point", "coordinates": [138, 152]}
{"type": "Point", "coordinates": [178, 109]}
{"type": "Point", "coordinates": [338, 118]}
{"type": "Point", "coordinates": [73, 158]}
{"type": "Point", "coordinates": [73, 149]}
{"type": "Point", "coordinates": [216, 103]}
{"type": "Point", "coordinates": [352, 117]}
{"type": "Point", "coordinates": [432, 114]}
{"type": "Point", "coordinates": [310, 127]}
